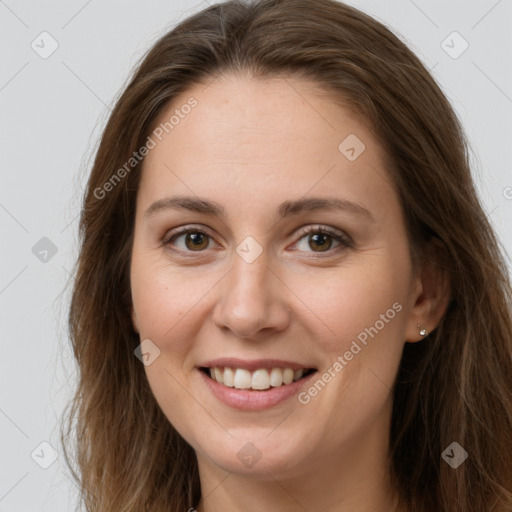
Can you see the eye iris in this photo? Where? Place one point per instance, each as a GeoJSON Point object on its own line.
{"type": "Point", "coordinates": [196, 239]}
{"type": "Point", "coordinates": [322, 237]}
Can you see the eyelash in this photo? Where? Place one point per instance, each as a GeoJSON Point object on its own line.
{"type": "Point", "coordinates": [344, 240]}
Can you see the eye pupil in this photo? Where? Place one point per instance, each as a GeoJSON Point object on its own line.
{"type": "Point", "coordinates": [322, 238]}
{"type": "Point", "coordinates": [197, 240]}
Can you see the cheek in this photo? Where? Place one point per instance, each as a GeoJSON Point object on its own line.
{"type": "Point", "coordinates": [163, 300]}
{"type": "Point", "coordinates": [167, 300]}
{"type": "Point", "coordinates": [363, 307]}
{"type": "Point", "coordinates": [361, 299]}
{"type": "Point", "coordinates": [170, 391]}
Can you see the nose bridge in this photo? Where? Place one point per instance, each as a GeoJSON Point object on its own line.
{"type": "Point", "coordinates": [250, 275]}
{"type": "Point", "coordinates": [249, 286]}
{"type": "Point", "coordinates": [250, 299]}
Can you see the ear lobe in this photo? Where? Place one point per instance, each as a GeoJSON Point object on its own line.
{"type": "Point", "coordinates": [432, 293]}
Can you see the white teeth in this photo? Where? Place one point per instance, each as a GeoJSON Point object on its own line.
{"type": "Point", "coordinates": [242, 379]}
{"type": "Point", "coordinates": [219, 377]}
{"type": "Point", "coordinates": [287, 376]}
{"type": "Point", "coordinates": [276, 377]}
{"type": "Point", "coordinates": [228, 377]}
{"type": "Point", "coordinates": [260, 379]}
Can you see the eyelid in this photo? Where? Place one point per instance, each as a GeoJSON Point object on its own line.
{"type": "Point", "coordinates": [337, 234]}
{"type": "Point", "coordinates": [185, 230]}
{"type": "Point", "coordinates": [343, 239]}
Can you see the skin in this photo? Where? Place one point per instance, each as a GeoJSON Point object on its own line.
{"type": "Point", "coordinates": [249, 145]}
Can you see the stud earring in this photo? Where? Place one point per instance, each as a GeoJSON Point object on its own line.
{"type": "Point", "coordinates": [423, 331]}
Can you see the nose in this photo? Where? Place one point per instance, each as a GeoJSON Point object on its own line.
{"type": "Point", "coordinates": [252, 300]}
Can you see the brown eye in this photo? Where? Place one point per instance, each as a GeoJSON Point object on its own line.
{"type": "Point", "coordinates": [320, 239]}
{"type": "Point", "coordinates": [317, 239]}
{"type": "Point", "coordinates": [320, 242]}
{"type": "Point", "coordinates": [194, 240]}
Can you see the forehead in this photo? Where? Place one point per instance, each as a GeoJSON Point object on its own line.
{"type": "Point", "coordinates": [242, 112]}
{"type": "Point", "coordinates": [248, 139]}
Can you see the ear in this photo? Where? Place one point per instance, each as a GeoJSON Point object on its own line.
{"type": "Point", "coordinates": [134, 320]}
{"type": "Point", "coordinates": [430, 293]}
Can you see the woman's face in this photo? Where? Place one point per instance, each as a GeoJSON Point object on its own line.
{"type": "Point", "coordinates": [256, 171]}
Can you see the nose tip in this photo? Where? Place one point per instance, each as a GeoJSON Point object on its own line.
{"type": "Point", "coordinates": [251, 300]}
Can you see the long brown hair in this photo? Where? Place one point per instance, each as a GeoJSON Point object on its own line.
{"type": "Point", "coordinates": [454, 386]}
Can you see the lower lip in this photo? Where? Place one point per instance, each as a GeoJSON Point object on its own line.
{"type": "Point", "coordinates": [253, 400]}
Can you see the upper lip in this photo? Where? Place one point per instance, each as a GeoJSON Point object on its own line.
{"type": "Point", "coordinates": [254, 364]}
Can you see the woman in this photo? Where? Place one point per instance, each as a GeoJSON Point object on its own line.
{"type": "Point", "coordinates": [288, 296]}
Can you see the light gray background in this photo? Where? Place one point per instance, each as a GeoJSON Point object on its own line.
{"type": "Point", "coordinates": [51, 114]}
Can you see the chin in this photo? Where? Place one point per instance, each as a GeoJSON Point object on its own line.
{"type": "Point", "coordinates": [248, 454]}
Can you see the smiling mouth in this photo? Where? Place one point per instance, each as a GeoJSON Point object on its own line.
{"type": "Point", "coordinates": [261, 379]}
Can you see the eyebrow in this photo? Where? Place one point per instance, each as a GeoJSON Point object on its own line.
{"type": "Point", "coordinates": [287, 208]}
